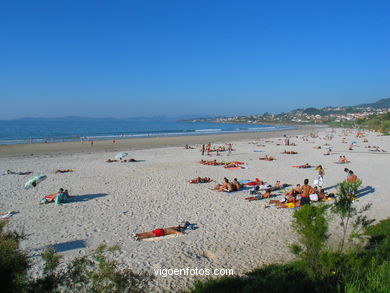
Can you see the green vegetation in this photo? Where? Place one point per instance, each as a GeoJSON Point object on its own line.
{"type": "Point", "coordinates": [318, 268]}
{"type": "Point", "coordinates": [380, 123]}
{"type": "Point", "coordinates": [97, 272]}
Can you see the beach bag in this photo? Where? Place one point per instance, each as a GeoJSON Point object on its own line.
{"type": "Point", "coordinates": [313, 197]}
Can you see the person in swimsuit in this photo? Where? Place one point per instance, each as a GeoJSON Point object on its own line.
{"type": "Point", "coordinates": [178, 230]}
{"type": "Point", "coordinates": [267, 194]}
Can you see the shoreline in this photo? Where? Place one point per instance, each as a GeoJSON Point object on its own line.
{"type": "Point", "coordinates": [22, 150]}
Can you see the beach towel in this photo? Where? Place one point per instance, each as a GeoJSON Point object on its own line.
{"type": "Point", "coordinates": [245, 181]}
{"type": "Point", "coordinates": [6, 215]}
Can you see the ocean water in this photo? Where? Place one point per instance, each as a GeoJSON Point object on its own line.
{"type": "Point", "coordinates": [16, 132]}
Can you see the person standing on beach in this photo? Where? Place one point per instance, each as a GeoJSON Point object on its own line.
{"type": "Point", "coordinates": [230, 148]}
{"type": "Point", "coordinates": [91, 142]}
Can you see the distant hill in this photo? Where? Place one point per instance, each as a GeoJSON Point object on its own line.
{"type": "Point", "coordinates": [383, 103]}
{"type": "Point", "coordinates": [108, 119]}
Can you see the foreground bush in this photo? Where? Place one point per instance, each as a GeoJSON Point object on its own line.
{"type": "Point", "coordinates": [97, 272]}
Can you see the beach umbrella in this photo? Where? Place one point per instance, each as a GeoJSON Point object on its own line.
{"type": "Point", "coordinates": [121, 155]}
{"type": "Point", "coordinates": [34, 181]}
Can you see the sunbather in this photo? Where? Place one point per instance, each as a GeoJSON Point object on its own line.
{"type": "Point", "coordinates": [63, 171]}
{"type": "Point", "coordinates": [111, 161]}
{"type": "Point", "coordinates": [305, 166]}
{"type": "Point", "coordinates": [200, 180]}
{"type": "Point", "coordinates": [128, 160]}
{"type": "Point", "coordinates": [257, 182]}
{"type": "Point", "coordinates": [58, 197]}
{"type": "Point", "coordinates": [289, 152]}
{"type": "Point", "coordinates": [178, 230]}
{"type": "Point", "coordinates": [226, 186]}
{"type": "Point", "coordinates": [267, 194]}
{"type": "Point", "coordinates": [352, 177]}
{"type": "Point", "coordinates": [267, 158]}
{"type": "Point", "coordinates": [8, 172]}
{"type": "Point", "coordinates": [294, 191]}
{"type": "Point", "coordinates": [236, 184]}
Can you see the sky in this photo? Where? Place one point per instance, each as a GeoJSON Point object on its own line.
{"type": "Point", "coordinates": [190, 57]}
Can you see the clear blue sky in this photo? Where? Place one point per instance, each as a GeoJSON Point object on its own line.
{"type": "Point", "coordinates": [129, 58]}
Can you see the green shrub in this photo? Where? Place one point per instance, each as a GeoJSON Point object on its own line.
{"type": "Point", "coordinates": [312, 227]}
{"type": "Point", "coordinates": [13, 261]}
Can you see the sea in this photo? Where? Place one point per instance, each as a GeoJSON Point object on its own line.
{"type": "Point", "coordinates": [40, 131]}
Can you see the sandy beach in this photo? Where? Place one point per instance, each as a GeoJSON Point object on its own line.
{"type": "Point", "coordinates": [113, 200]}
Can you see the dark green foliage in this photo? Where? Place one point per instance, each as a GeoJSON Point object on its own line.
{"type": "Point", "coordinates": [271, 278]}
{"type": "Point", "coordinates": [13, 261]}
{"type": "Point", "coordinates": [94, 273]}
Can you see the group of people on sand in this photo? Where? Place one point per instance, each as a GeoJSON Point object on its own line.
{"type": "Point", "coordinates": [301, 195]}
{"type": "Point", "coordinates": [59, 197]}
{"type": "Point", "coordinates": [228, 186]}
{"type": "Point", "coordinates": [268, 189]}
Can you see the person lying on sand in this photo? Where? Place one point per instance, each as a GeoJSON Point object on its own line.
{"type": "Point", "coordinates": [178, 230]}
{"type": "Point", "coordinates": [305, 166]}
{"type": "Point", "coordinates": [210, 163]}
{"type": "Point", "coordinates": [267, 158]}
{"type": "Point", "coordinates": [63, 171]}
{"type": "Point", "coordinates": [278, 186]}
{"type": "Point", "coordinates": [200, 180]}
{"type": "Point", "coordinates": [8, 172]}
{"type": "Point", "coordinates": [267, 194]}
{"type": "Point", "coordinates": [256, 182]}
{"type": "Point", "coordinates": [328, 152]}
{"type": "Point", "coordinates": [283, 204]}
{"type": "Point", "coordinates": [289, 152]}
{"type": "Point", "coordinates": [187, 147]}
{"type": "Point", "coordinates": [128, 160]}
{"type": "Point", "coordinates": [294, 191]}
{"type": "Point", "coordinates": [111, 161]}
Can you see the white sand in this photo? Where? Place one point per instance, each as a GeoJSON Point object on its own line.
{"type": "Point", "coordinates": [115, 200]}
